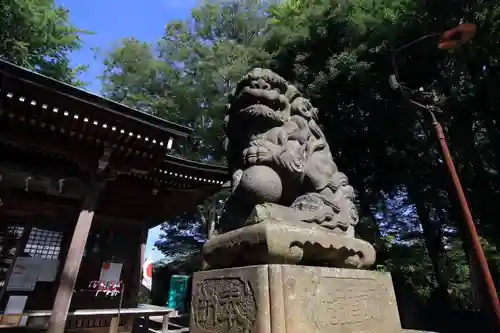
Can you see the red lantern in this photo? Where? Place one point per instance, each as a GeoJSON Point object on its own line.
{"type": "Point", "coordinates": [457, 36]}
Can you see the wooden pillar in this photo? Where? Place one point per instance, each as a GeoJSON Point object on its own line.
{"type": "Point", "coordinates": [133, 290]}
{"type": "Point", "coordinates": [69, 274]}
{"type": "Point", "coordinates": [137, 271]}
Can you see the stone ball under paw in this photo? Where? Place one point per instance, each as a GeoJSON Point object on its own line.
{"type": "Point", "coordinates": [261, 184]}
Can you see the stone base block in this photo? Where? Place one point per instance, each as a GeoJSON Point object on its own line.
{"type": "Point", "coordinates": [285, 241]}
{"type": "Point", "coordinates": [293, 299]}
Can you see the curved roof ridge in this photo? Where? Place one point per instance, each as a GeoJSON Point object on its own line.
{"type": "Point", "coordinates": [91, 98]}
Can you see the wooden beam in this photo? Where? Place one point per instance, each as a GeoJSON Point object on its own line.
{"type": "Point", "coordinates": [43, 143]}
{"type": "Point", "coordinates": [72, 263]}
{"type": "Point", "coordinates": [85, 152]}
{"type": "Point", "coordinates": [15, 178]}
{"type": "Point", "coordinates": [19, 206]}
{"type": "Point", "coordinates": [116, 222]}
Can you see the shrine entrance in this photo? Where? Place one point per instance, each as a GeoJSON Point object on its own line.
{"type": "Point", "coordinates": [31, 258]}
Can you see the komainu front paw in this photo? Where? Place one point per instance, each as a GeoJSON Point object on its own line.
{"type": "Point", "coordinates": [256, 155]}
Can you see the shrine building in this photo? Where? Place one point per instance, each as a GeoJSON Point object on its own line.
{"type": "Point", "coordinates": [82, 179]}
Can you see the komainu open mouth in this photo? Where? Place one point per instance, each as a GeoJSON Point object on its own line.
{"type": "Point", "coordinates": [255, 103]}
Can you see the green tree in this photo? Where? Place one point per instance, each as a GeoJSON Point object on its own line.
{"type": "Point", "coordinates": [185, 78]}
{"type": "Point", "coordinates": [184, 235]}
{"type": "Point", "coordinates": [38, 35]}
{"type": "Point", "coordinates": [341, 55]}
{"type": "Point", "coordinates": [187, 75]}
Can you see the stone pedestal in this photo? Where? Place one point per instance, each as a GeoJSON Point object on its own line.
{"type": "Point", "coordinates": [293, 299]}
{"type": "Point", "coordinates": [275, 235]}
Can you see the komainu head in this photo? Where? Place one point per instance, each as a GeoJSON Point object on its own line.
{"type": "Point", "coordinates": [262, 98]}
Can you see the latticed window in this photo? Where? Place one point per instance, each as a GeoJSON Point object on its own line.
{"type": "Point", "coordinates": [8, 242]}
{"type": "Point", "coordinates": [45, 244]}
{"type": "Point", "coordinates": [15, 230]}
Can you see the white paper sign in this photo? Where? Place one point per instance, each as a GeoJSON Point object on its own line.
{"type": "Point", "coordinates": [47, 269]}
{"type": "Point", "coordinates": [111, 272]}
{"type": "Point", "coordinates": [24, 275]}
{"type": "Point", "coordinates": [15, 306]}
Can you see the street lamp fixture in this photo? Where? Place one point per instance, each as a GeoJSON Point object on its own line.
{"type": "Point", "coordinates": [461, 34]}
{"type": "Point", "coordinates": [452, 39]}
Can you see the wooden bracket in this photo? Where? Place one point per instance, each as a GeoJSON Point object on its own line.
{"type": "Point", "coordinates": [104, 160]}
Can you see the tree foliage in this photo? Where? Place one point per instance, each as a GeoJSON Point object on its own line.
{"type": "Point", "coordinates": [184, 235]}
{"type": "Point", "coordinates": [342, 57]}
{"type": "Point", "coordinates": [186, 76]}
{"type": "Point", "coordinates": [340, 54]}
{"type": "Point", "coordinates": [39, 36]}
{"type": "Point", "coordinates": [181, 236]}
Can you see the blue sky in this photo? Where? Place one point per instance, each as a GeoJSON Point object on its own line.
{"type": "Point", "coordinates": [112, 20]}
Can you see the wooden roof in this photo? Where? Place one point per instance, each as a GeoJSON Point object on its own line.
{"type": "Point", "coordinates": [45, 121]}
{"type": "Point", "coordinates": [30, 87]}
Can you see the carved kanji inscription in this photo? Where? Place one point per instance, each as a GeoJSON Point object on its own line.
{"type": "Point", "coordinates": [353, 304]}
{"type": "Point", "coordinates": [224, 305]}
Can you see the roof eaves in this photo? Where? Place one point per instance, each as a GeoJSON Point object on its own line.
{"type": "Point", "coordinates": [198, 165]}
{"type": "Point", "coordinates": [84, 96]}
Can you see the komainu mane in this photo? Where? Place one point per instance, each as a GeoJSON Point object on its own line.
{"type": "Point", "coordinates": [289, 202]}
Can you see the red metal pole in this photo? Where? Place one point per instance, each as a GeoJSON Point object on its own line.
{"type": "Point", "coordinates": [471, 228]}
